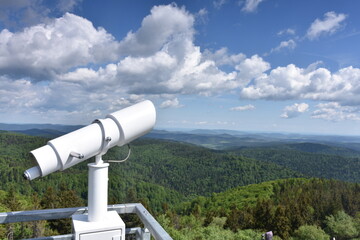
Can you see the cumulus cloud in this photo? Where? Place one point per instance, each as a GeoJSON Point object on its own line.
{"type": "Point", "coordinates": [251, 5]}
{"type": "Point", "coordinates": [162, 58]}
{"type": "Point", "coordinates": [294, 110]}
{"type": "Point", "coordinates": [251, 68]}
{"type": "Point", "coordinates": [223, 57]}
{"type": "Point", "coordinates": [50, 68]}
{"type": "Point", "coordinates": [334, 111]}
{"type": "Point", "coordinates": [54, 60]}
{"type": "Point", "coordinates": [171, 103]}
{"type": "Point", "coordinates": [290, 44]}
{"type": "Point", "coordinates": [243, 108]}
{"type": "Point", "coordinates": [292, 82]}
{"type": "Point", "coordinates": [43, 50]}
{"type": "Point", "coordinates": [281, 83]}
{"type": "Point", "coordinates": [91, 79]}
{"type": "Point", "coordinates": [20, 94]}
{"type": "Point", "coordinates": [331, 23]}
{"type": "Point", "coordinates": [164, 24]}
{"type": "Point", "coordinates": [168, 73]}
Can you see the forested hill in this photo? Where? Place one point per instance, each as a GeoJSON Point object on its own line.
{"type": "Point", "coordinates": [301, 208]}
{"type": "Point", "coordinates": [226, 192]}
{"type": "Point", "coordinates": [304, 158]}
{"type": "Point", "coordinates": [323, 194]}
{"type": "Point", "coordinates": [162, 171]}
{"type": "Point", "coordinates": [184, 169]}
{"type": "Point", "coordinates": [318, 148]}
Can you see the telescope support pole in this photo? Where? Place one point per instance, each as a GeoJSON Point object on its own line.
{"type": "Point", "coordinates": [98, 190]}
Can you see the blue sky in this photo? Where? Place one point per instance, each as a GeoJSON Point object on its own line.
{"type": "Point", "coordinates": [250, 65]}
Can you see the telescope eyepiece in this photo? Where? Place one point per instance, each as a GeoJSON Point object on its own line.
{"type": "Point", "coordinates": [26, 175]}
{"type": "Point", "coordinates": [32, 173]}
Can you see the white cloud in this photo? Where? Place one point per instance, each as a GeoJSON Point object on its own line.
{"type": "Point", "coordinates": [43, 50]}
{"type": "Point", "coordinates": [164, 24]}
{"type": "Point", "coordinates": [20, 94]}
{"type": "Point", "coordinates": [290, 44]}
{"type": "Point", "coordinates": [243, 108]}
{"type": "Point", "coordinates": [288, 31]}
{"type": "Point", "coordinates": [48, 68]}
{"type": "Point", "coordinates": [167, 73]}
{"type": "Point", "coordinates": [292, 82]}
{"type": "Point", "coordinates": [251, 68]}
{"type": "Point", "coordinates": [294, 110]}
{"type": "Point", "coordinates": [166, 64]}
{"type": "Point", "coordinates": [90, 79]}
{"type": "Point", "coordinates": [281, 83]}
{"type": "Point", "coordinates": [251, 5]}
{"type": "Point", "coordinates": [163, 58]}
{"type": "Point", "coordinates": [342, 86]}
{"type": "Point", "coordinates": [171, 103]}
{"type": "Point", "coordinates": [223, 57]}
{"type": "Point", "coordinates": [329, 25]}
{"type": "Point", "coordinates": [333, 111]}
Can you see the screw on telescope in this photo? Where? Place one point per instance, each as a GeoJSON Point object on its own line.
{"type": "Point", "coordinates": [77, 155]}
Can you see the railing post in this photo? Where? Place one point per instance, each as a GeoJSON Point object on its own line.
{"type": "Point", "coordinates": [145, 234]}
{"type": "Point", "coordinates": [142, 234]}
{"type": "Point", "coordinates": [138, 234]}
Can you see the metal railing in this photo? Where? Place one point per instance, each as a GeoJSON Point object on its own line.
{"type": "Point", "coordinates": [152, 227]}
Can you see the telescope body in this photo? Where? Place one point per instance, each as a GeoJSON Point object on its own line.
{"type": "Point", "coordinates": [117, 129]}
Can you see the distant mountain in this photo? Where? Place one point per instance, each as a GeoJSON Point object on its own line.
{"type": "Point", "coordinates": [47, 127]}
{"type": "Point", "coordinates": [216, 132]}
{"type": "Point", "coordinates": [277, 135]}
{"type": "Point", "coordinates": [221, 139]}
{"type": "Point", "coordinates": [40, 130]}
{"type": "Point", "coordinates": [227, 140]}
{"type": "Point", "coordinates": [212, 139]}
{"type": "Point", "coordinates": [215, 139]}
{"type": "Point", "coordinates": [46, 133]}
{"type": "Point", "coordinates": [319, 148]}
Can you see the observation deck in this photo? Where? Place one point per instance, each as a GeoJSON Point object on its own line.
{"type": "Point", "coordinates": [151, 226]}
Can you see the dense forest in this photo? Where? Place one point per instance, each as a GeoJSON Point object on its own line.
{"type": "Point", "coordinates": [309, 161]}
{"type": "Point", "coordinates": [234, 196]}
{"type": "Point", "coordinates": [282, 206]}
{"type": "Point", "coordinates": [168, 169]}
